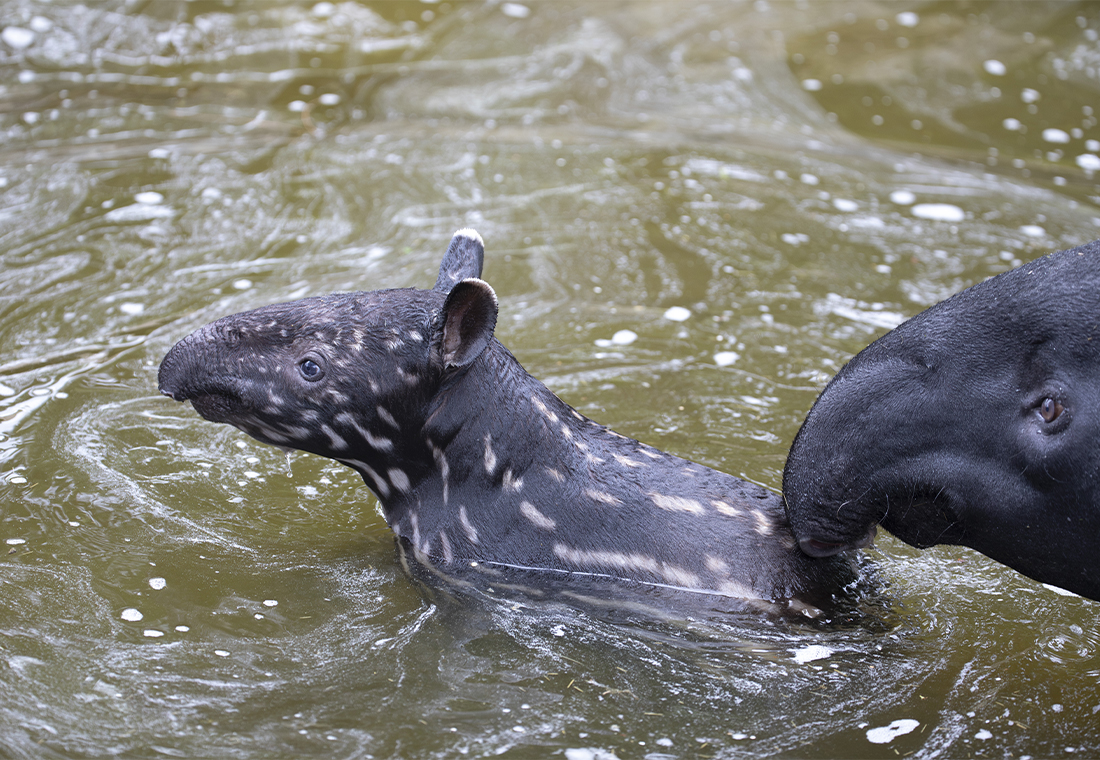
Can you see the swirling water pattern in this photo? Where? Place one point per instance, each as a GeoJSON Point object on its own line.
{"type": "Point", "coordinates": [695, 213]}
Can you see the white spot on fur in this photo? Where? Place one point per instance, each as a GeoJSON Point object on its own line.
{"type": "Point", "coordinates": [672, 574]}
{"type": "Point", "coordinates": [512, 483]}
{"type": "Point", "coordinates": [272, 435]}
{"type": "Point", "coordinates": [650, 454]}
{"type": "Point", "coordinates": [399, 479]}
{"type": "Point", "coordinates": [627, 461]}
{"type": "Point", "coordinates": [717, 565]}
{"type": "Point", "coordinates": [415, 337]}
{"type": "Point", "coordinates": [444, 469]}
{"type": "Point", "coordinates": [490, 457]}
{"type": "Point", "coordinates": [677, 503]}
{"type": "Point", "coordinates": [725, 508]}
{"type": "Point", "coordinates": [737, 590]}
{"type": "Point", "coordinates": [467, 526]}
{"type": "Point", "coordinates": [338, 443]}
{"type": "Point", "coordinates": [385, 416]}
{"type": "Point", "coordinates": [543, 408]}
{"type": "Point", "coordinates": [601, 496]}
{"type": "Point", "coordinates": [378, 443]}
{"type": "Point", "coordinates": [763, 524]}
{"type": "Point", "coordinates": [448, 556]}
{"type": "Point", "coordinates": [380, 484]}
{"type": "Point", "coordinates": [565, 431]}
{"type": "Point", "coordinates": [555, 474]}
{"type": "Point", "coordinates": [408, 377]}
{"type": "Point", "coordinates": [531, 512]}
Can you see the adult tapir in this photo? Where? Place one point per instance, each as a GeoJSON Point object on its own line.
{"type": "Point", "coordinates": [976, 422]}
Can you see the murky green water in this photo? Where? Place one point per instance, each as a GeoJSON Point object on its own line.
{"type": "Point", "coordinates": [795, 177]}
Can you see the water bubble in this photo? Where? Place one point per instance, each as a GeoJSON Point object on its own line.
{"type": "Point", "coordinates": [153, 633]}
{"type": "Point", "coordinates": [1011, 124]}
{"type": "Point", "coordinates": [131, 615]}
{"type": "Point", "coordinates": [515, 10]}
{"type": "Point", "coordinates": [725, 358]}
{"type": "Point", "coordinates": [157, 583]}
{"type": "Point", "coordinates": [940, 212]}
{"type": "Point", "coordinates": [17, 37]}
{"type": "Point", "coordinates": [149, 198]}
{"type": "Point", "coordinates": [677, 314]}
{"type": "Point", "coordinates": [811, 85]}
{"type": "Point", "coordinates": [1055, 135]}
{"type": "Point", "coordinates": [907, 19]}
{"type": "Point", "coordinates": [624, 338]}
{"type": "Point", "coordinates": [1033, 230]}
{"type": "Point", "coordinates": [994, 67]}
{"type": "Point", "coordinates": [902, 197]}
{"type": "Point", "coordinates": [1029, 95]}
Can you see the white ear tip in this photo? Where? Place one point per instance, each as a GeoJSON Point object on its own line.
{"type": "Point", "coordinates": [478, 282]}
{"type": "Point", "coordinates": [470, 233]}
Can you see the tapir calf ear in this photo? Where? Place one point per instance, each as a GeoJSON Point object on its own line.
{"type": "Point", "coordinates": [463, 260]}
{"type": "Point", "coordinates": [469, 317]}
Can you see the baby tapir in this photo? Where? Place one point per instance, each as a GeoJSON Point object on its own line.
{"type": "Point", "coordinates": [476, 462]}
{"type": "Point", "coordinates": [973, 423]}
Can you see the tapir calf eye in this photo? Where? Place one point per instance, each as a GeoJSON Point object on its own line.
{"type": "Point", "coordinates": [310, 369]}
{"type": "Point", "coordinates": [1050, 409]}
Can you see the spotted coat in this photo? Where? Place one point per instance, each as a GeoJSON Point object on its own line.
{"type": "Point", "coordinates": [472, 459]}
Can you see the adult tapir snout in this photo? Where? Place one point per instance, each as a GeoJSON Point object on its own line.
{"type": "Point", "coordinates": [977, 422]}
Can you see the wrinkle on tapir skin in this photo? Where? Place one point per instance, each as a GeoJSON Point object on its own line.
{"type": "Point", "coordinates": [976, 422]}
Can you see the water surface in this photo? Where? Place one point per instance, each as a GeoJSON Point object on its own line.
{"type": "Point", "coordinates": [695, 214]}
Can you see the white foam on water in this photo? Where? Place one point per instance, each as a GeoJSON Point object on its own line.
{"type": "Point", "coordinates": [887, 734]}
{"type": "Point", "coordinates": [940, 212]}
{"type": "Point", "coordinates": [811, 653]}
{"type": "Point", "coordinates": [995, 67]}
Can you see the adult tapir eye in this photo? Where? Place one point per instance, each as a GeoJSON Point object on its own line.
{"type": "Point", "coordinates": [311, 369]}
{"type": "Point", "coordinates": [1050, 409]}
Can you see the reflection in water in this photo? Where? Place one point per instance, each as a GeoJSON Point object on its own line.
{"type": "Point", "coordinates": [695, 215]}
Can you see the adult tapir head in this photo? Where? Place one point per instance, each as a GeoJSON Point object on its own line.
{"type": "Point", "coordinates": [977, 423]}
